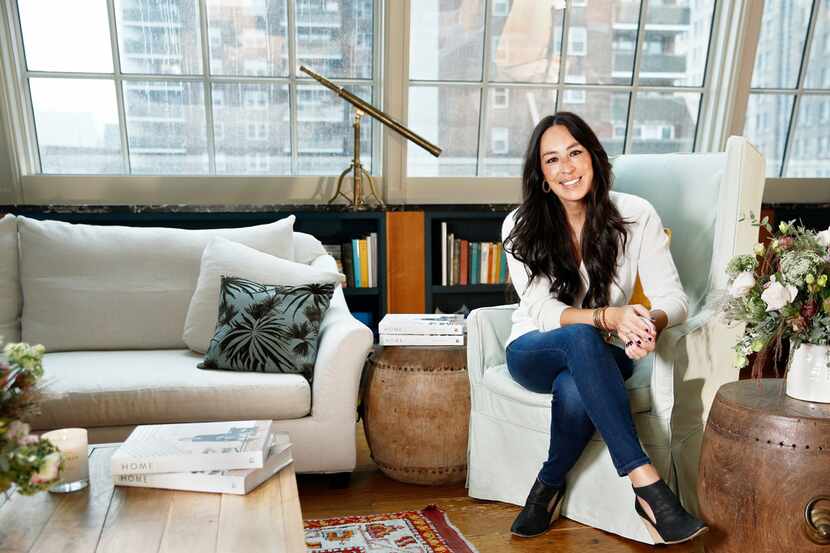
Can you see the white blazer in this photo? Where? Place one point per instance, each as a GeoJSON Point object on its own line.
{"type": "Point", "coordinates": [646, 252]}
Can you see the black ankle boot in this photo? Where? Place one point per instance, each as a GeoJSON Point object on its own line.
{"type": "Point", "coordinates": [672, 524]}
{"type": "Point", "coordinates": [541, 509]}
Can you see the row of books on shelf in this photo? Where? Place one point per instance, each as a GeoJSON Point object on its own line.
{"type": "Point", "coordinates": [222, 457]}
{"type": "Point", "coordinates": [464, 262]}
{"type": "Point", "coordinates": [418, 329]}
{"type": "Point", "coordinates": [358, 260]}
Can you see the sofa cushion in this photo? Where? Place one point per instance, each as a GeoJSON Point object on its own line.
{"type": "Point", "coordinates": [265, 328]}
{"type": "Point", "coordinates": [100, 287]}
{"type": "Point", "coordinates": [112, 388]}
{"type": "Point", "coordinates": [10, 296]}
{"type": "Point", "coordinates": [227, 258]}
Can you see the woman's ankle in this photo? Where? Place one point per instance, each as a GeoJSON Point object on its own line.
{"type": "Point", "coordinates": [643, 475]}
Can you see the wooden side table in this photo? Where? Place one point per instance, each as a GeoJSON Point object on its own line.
{"type": "Point", "coordinates": [764, 476]}
{"type": "Point", "coordinates": [417, 413]}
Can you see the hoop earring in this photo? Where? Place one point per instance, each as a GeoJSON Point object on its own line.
{"type": "Point", "coordinates": [545, 187]}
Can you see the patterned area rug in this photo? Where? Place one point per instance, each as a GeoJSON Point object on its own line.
{"type": "Point", "coordinates": [426, 531]}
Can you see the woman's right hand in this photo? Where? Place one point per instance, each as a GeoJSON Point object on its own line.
{"type": "Point", "coordinates": [633, 325]}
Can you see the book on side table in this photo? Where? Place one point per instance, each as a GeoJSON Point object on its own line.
{"type": "Point", "coordinates": [193, 447]}
{"type": "Point", "coordinates": [419, 329]}
{"type": "Point", "coordinates": [236, 481]}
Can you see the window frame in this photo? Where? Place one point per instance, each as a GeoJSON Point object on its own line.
{"type": "Point", "coordinates": [781, 189]}
{"type": "Point", "coordinates": [28, 186]}
{"type": "Point", "coordinates": [731, 54]}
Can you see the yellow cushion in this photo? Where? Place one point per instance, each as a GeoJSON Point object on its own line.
{"type": "Point", "coordinates": [638, 296]}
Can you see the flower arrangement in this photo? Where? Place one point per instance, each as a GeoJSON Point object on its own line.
{"type": "Point", "coordinates": [26, 461]}
{"type": "Point", "coordinates": [781, 293]}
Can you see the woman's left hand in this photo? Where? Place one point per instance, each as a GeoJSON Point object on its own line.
{"type": "Point", "coordinates": [635, 347]}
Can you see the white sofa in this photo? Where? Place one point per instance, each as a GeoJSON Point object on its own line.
{"type": "Point", "coordinates": [109, 305]}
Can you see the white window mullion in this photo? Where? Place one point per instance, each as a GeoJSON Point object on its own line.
{"type": "Point", "coordinates": [706, 84]}
{"type": "Point", "coordinates": [377, 95]}
{"type": "Point", "coordinates": [26, 129]}
{"type": "Point", "coordinates": [563, 56]}
{"type": "Point", "coordinates": [208, 86]}
{"type": "Point", "coordinates": [119, 88]}
{"type": "Point", "coordinates": [635, 76]}
{"type": "Point", "coordinates": [293, 100]}
{"type": "Point", "coordinates": [799, 92]}
{"type": "Point", "coordinates": [481, 151]}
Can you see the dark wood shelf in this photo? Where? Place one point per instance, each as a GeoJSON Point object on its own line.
{"type": "Point", "coordinates": [469, 288]}
{"type": "Point", "coordinates": [361, 291]}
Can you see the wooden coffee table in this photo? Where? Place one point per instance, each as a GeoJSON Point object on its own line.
{"type": "Point", "coordinates": [104, 518]}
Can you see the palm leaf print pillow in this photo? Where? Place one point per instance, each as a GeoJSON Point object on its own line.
{"type": "Point", "coordinates": [267, 328]}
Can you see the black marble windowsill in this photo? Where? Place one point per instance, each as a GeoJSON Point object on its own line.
{"type": "Point", "coordinates": [279, 208]}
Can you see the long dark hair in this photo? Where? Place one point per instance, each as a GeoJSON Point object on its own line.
{"type": "Point", "coordinates": [541, 236]}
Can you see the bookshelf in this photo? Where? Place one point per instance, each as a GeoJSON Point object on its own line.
{"type": "Point", "coordinates": [339, 228]}
{"type": "Point", "coordinates": [329, 225]}
{"type": "Point", "coordinates": [474, 226]}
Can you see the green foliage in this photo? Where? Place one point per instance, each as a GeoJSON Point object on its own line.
{"type": "Point", "coordinates": [26, 461]}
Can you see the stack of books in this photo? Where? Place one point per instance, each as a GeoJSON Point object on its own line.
{"type": "Point", "coordinates": [358, 260]}
{"type": "Point", "coordinates": [404, 329]}
{"type": "Point", "coordinates": [465, 263]}
{"type": "Point", "coordinates": [222, 457]}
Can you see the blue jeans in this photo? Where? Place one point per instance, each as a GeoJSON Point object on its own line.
{"type": "Point", "coordinates": [586, 376]}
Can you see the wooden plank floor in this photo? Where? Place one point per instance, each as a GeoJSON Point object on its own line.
{"type": "Point", "coordinates": [486, 524]}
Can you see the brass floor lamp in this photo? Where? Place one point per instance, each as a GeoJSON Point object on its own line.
{"type": "Point", "coordinates": [357, 201]}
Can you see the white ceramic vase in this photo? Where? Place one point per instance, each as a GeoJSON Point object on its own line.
{"type": "Point", "coordinates": [808, 378]}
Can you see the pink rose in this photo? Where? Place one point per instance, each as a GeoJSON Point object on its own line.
{"type": "Point", "coordinates": [18, 431]}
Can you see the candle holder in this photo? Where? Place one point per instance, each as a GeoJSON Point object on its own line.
{"type": "Point", "coordinates": [73, 445]}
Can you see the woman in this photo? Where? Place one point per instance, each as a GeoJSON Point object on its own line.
{"type": "Point", "coordinates": [574, 249]}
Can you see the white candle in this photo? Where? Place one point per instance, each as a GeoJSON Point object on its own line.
{"type": "Point", "coordinates": [72, 443]}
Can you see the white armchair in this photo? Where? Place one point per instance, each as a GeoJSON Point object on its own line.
{"type": "Point", "coordinates": [706, 199]}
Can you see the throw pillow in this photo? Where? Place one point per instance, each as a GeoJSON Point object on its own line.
{"type": "Point", "coordinates": [268, 328]}
{"type": "Point", "coordinates": [224, 257]}
{"type": "Point", "coordinates": [638, 296]}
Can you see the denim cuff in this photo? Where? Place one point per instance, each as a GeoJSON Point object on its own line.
{"type": "Point", "coordinates": [628, 467]}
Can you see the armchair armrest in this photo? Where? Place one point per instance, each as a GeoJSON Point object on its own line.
{"type": "Point", "coordinates": [488, 329]}
{"type": "Point", "coordinates": [693, 360]}
{"type": "Point", "coordinates": [344, 345]}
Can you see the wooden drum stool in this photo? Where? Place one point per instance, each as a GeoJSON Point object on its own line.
{"type": "Point", "coordinates": [417, 413]}
{"type": "Point", "coordinates": [764, 477]}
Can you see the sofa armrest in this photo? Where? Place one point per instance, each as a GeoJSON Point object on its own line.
{"type": "Point", "coordinates": [488, 329]}
{"type": "Point", "coordinates": [344, 345]}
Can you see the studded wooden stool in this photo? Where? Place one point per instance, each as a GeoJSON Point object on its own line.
{"type": "Point", "coordinates": [764, 478]}
{"type": "Point", "coordinates": [417, 413]}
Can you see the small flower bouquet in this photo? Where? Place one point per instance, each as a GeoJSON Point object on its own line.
{"type": "Point", "coordinates": [781, 293]}
{"type": "Point", "coordinates": [29, 463]}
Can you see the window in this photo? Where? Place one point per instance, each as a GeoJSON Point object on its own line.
{"type": "Point", "coordinates": [256, 163]}
{"type": "Point", "coordinates": [257, 131]}
{"type": "Point", "coordinates": [501, 8]}
{"type": "Point", "coordinates": [459, 58]}
{"type": "Point", "coordinates": [790, 88]}
{"type": "Point", "coordinates": [501, 98]}
{"type": "Point", "coordinates": [578, 41]}
{"type": "Point", "coordinates": [155, 98]}
{"type": "Point", "coordinates": [499, 142]}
